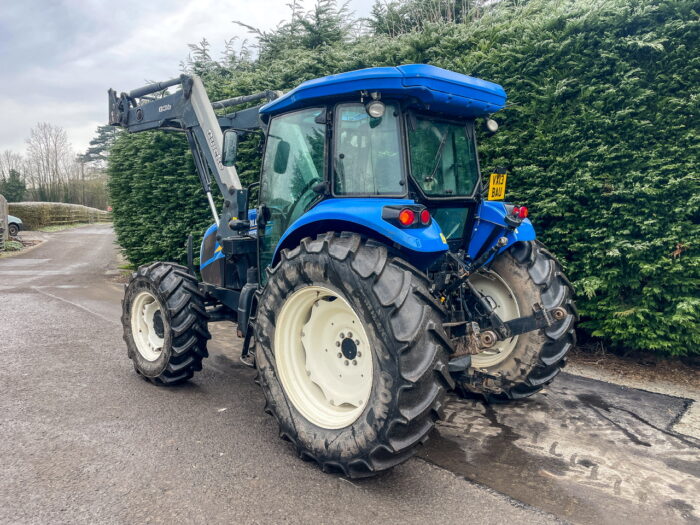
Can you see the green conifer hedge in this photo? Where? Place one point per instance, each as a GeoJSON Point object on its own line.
{"type": "Point", "coordinates": [600, 137]}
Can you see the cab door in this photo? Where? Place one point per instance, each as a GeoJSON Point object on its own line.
{"type": "Point", "coordinates": [292, 165]}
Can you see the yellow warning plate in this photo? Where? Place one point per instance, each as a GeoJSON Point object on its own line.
{"type": "Point", "coordinates": [497, 187]}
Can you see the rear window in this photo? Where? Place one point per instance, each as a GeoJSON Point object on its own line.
{"type": "Point", "coordinates": [443, 157]}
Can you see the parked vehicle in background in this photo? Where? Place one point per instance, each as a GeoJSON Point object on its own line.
{"type": "Point", "coordinates": [14, 225]}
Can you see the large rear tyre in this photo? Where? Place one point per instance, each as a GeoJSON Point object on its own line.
{"type": "Point", "coordinates": [524, 275]}
{"type": "Point", "coordinates": [165, 323]}
{"type": "Point", "coordinates": [351, 354]}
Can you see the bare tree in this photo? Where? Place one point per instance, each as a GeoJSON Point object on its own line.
{"type": "Point", "coordinates": [50, 159]}
{"type": "Point", "coordinates": [10, 160]}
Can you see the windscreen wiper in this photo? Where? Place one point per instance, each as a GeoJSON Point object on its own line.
{"type": "Point", "coordinates": [438, 157]}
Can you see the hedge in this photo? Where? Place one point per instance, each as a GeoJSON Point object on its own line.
{"type": "Point", "coordinates": [36, 215]}
{"type": "Point", "coordinates": [600, 137]}
{"type": "Point", "coordinates": [157, 198]}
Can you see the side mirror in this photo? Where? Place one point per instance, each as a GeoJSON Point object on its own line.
{"type": "Point", "coordinates": [281, 157]}
{"type": "Point", "coordinates": [229, 148]}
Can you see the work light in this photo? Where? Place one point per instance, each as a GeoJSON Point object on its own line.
{"type": "Point", "coordinates": [375, 109]}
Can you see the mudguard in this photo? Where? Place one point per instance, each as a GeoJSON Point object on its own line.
{"type": "Point", "coordinates": [489, 226]}
{"type": "Point", "coordinates": [420, 246]}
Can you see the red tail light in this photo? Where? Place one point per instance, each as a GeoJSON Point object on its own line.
{"type": "Point", "coordinates": [520, 211]}
{"type": "Point", "coordinates": [406, 217]}
{"type": "Point", "coordinates": [424, 217]}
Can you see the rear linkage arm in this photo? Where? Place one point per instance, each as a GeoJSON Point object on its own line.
{"type": "Point", "coordinates": [477, 339]}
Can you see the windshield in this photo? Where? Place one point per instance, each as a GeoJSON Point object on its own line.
{"type": "Point", "coordinates": [443, 157]}
{"type": "Point", "coordinates": [367, 157]}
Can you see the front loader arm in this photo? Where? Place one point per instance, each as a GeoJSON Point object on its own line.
{"type": "Point", "coordinates": [190, 110]}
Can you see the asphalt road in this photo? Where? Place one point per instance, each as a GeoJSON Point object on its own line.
{"type": "Point", "coordinates": [83, 439]}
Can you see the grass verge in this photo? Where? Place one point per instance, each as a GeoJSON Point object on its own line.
{"type": "Point", "coordinates": [61, 227]}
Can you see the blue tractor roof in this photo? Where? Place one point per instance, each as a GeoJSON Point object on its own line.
{"type": "Point", "coordinates": [439, 90]}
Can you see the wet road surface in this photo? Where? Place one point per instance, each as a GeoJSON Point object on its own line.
{"type": "Point", "coordinates": [585, 450]}
{"type": "Point", "coordinates": [83, 439]}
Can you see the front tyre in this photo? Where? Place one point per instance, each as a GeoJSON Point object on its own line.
{"type": "Point", "coordinates": [351, 354]}
{"type": "Point", "coordinates": [524, 275]}
{"type": "Point", "coordinates": [165, 323]}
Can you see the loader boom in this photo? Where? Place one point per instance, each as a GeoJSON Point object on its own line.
{"type": "Point", "coordinates": [191, 111]}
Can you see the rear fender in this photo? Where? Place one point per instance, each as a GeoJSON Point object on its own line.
{"type": "Point", "coordinates": [490, 225]}
{"type": "Point", "coordinates": [419, 246]}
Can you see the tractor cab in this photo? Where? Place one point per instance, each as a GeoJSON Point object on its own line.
{"type": "Point", "coordinates": [403, 134]}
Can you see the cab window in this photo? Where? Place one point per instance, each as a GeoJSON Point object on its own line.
{"type": "Point", "coordinates": [443, 156]}
{"type": "Point", "coordinates": [367, 158]}
{"type": "Point", "coordinates": [292, 166]}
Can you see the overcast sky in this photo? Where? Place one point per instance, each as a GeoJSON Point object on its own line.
{"type": "Point", "coordinates": [58, 58]}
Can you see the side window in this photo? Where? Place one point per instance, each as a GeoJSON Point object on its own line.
{"type": "Point", "coordinates": [367, 159]}
{"type": "Point", "coordinates": [292, 166]}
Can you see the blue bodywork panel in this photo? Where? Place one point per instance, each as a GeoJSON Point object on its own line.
{"type": "Point", "coordinates": [489, 219]}
{"type": "Point", "coordinates": [443, 91]}
{"type": "Point", "coordinates": [211, 257]}
{"type": "Point", "coordinates": [421, 245]}
{"type": "Point", "coordinates": [217, 249]}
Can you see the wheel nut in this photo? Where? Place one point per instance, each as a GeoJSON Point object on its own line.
{"type": "Point", "coordinates": [347, 362]}
{"type": "Point", "coordinates": [337, 343]}
{"type": "Point", "coordinates": [342, 335]}
{"type": "Point", "coordinates": [559, 313]}
{"type": "Point", "coordinates": [357, 342]}
{"type": "Point", "coordinates": [359, 354]}
{"type": "Point", "coordinates": [354, 362]}
{"type": "Point", "coordinates": [340, 355]}
{"type": "Point", "coordinates": [350, 335]}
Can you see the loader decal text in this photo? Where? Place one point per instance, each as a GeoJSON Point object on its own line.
{"type": "Point", "coordinates": [214, 149]}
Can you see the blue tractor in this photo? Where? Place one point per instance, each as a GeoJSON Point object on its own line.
{"type": "Point", "coordinates": [377, 272]}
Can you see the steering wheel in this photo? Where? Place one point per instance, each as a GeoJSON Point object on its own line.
{"type": "Point", "coordinates": [301, 201]}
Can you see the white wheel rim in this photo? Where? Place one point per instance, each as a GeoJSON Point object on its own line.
{"type": "Point", "coordinates": [323, 357]}
{"type": "Point", "coordinates": [492, 286]}
{"type": "Point", "coordinates": [143, 311]}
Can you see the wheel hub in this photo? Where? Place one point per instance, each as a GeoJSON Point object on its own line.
{"type": "Point", "coordinates": [147, 326]}
{"type": "Point", "coordinates": [502, 298]}
{"type": "Point", "coordinates": [158, 324]}
{"type": "Point", "coordinates": [323, 357]}
{"type": "Point", "coordinates": [349, 348]}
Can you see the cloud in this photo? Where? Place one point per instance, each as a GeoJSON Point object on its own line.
{"type": "Point", "coordinates": [59, 58]}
